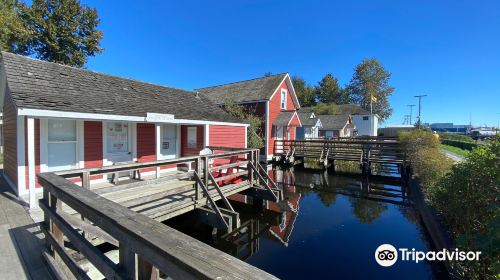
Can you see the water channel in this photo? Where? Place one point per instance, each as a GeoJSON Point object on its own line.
{"type": "Point", "coordinates": [328, 227]}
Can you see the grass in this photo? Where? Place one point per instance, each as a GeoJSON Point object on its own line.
{"type": "Point", "coordinates": [455, 150]}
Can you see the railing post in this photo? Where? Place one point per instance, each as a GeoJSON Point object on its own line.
{"type": "Point", "coordinates": [197, 185]}
{"type": "Point", "coordinates": [127, 260]}
{"type": "Point", "coordinates": [86, 180]}
{"type": "Point", "coordinates": [250, 170]}
{"type": "Point", "coordinates": [205, 171]}
{"type": "Point", "coordinates": [145, 271]}
{"type": "Point", "coordinates": [54, 204]}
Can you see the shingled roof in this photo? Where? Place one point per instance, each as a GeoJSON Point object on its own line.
{"type": "Point", "coordinates": [333, 122]}
{"type": "Point", "coordinates": [36, 84]}
{"type": "Point", "coordinates": [245, 91]}
{"type": "Point", "coordinates": [306, 120]}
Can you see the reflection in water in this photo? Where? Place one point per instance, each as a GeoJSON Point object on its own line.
{"type": "Point", "coordinates": [324, 219]}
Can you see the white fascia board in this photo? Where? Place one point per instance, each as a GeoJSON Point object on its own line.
{"type": "Point", "coordinates": [108, 117]}
{"type": "Point", "coordinates": [294, 114]}
{"type": "Point", "coordinates": [76, 115]}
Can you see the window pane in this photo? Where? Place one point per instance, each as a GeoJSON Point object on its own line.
{"type": "Point", "coordinates": [169, 140]}
{"type": "Point", "coordinates": [191, 137]}
{"type": "Point", "coordinates": [62, 130]}
{"type": "Point", "coordinates": [117, 137]}
{"type": "Point", "coordinates": [61, 156]}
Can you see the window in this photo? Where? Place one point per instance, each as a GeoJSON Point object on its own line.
{"type": "Point", "coordinates": [365, 118]}
{"type": "Point", "coordinates": [283, 99]}
{"type": "Point", "coordinates": [61, 145]}
{"type": "Point", "coordinates": [169, 141]}
{"type": "Point", "coordinates": [191, 137]}
{"type": "Point", "coordinates": [117, 138]}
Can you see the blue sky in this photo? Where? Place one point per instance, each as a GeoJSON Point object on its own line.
{"type": "Point", "coordinates": [449, 50]}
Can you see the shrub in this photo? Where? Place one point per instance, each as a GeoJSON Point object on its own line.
{"type": "Point", "coordinates": [460, 144]}
{"type": "Point", "coordinates": [469, 199]}
{"type": "Point", "coordinates": [426, 159]}
{"type": "Point", "coordinates": [456, 137]}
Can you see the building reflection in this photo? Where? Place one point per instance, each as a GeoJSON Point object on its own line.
{"type": "Point", "coordinates": [275, 221]}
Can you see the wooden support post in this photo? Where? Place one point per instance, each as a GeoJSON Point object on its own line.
{"type": "Point", "coordinates": [86, 180]}
{"type": "Point", "coordinates": [197, 186]}
{"type": "Point", "coordinates": [54, 229]}
{"type": "Point", "coordinates": [250, 170]}
{"type": "Point", "coordinates": [145, 271]}
{"type": "Point", "coordinates": [128, 261]}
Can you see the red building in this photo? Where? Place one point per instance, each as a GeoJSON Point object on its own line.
{"type": "Point", "coordinates": [272, 97]}
{"type": "Point", "coordinates": [58, 117]}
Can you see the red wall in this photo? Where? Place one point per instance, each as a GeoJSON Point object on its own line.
{"type": "Point", "coordinates": [92, 145]}
{"type": "Point", "coordinates": [227, 136]}
{"type": "Point", "coordinates": [275, 109]}
{"type": "Point", "coordinates": [146, 144]}
{"type": "Point", "coordinates": [200, 134]}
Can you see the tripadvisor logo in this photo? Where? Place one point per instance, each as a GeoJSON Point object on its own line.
{"type": "Point", "coordinates": [387, 255]}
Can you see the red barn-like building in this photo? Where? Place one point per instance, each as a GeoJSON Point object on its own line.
{"type": "Point", "coordinates": [272, 98]}
{"type": "Point", "coordinates": [58, 117]}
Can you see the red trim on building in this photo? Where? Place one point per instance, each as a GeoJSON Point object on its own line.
{"type": "Point", "coordinates": [92, 146]}
{"type": "Point", "coordinates": [146, 144]}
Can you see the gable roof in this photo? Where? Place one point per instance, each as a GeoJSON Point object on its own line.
{"type": "Point", "coordinates": [36, 84]}
{"type": "Point", "coordinates": [306, 120]}
{"type": "Point", "coordinates": [285, 117]}
{"type": "Point", "coordinates": [334, 122]}
{"type": "Point", "coordinates": [258, 89]}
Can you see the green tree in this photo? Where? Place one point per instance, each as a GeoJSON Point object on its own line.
{"type": "Point", "coordinates": [14, 32]}
{"type": "Point", "coordinates": [254, 133]}
{"type": "Point", "coordinates": [62, 31]}
{"type": "Point", "coordinates": [304, 91]}
{"type": "Point", "coordinates": [328, 90]}
{"type": "Point", "coordinates": [325, 109]}
{"type": "Point", "coordinates": [371, 80]}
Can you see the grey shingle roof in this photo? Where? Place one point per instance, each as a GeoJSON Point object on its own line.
{"type": "Point", "coordinates": [244, 91]}
{"type": "Point", "coordinates": [343, 109]}
{"type": "Point", "coordinates": [306, 120]}
{"type": "Point", "coordinates": [37, 84]}
{"type": "Point", "coordinates": [283, 118]}
{"type": "Point", "coordinates": [333, 122]}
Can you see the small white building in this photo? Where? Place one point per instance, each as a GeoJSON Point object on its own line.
{"type": "Point", "coordinates": [365, 122]}
{"type": "Point", "coordinates": [310, 126]}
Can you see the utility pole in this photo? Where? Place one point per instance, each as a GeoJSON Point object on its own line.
{"type": "Point", "coordinates": [419, 122]}
{"type": "Point", "coordinates": [411, 112]}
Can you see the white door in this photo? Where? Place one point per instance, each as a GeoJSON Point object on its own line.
{"type": "Point", "coordinates": [279, 133]}
{"type": "Point", "coordinates": [118, 144]}
{"type": "Point", "coordinates": [169, 141]}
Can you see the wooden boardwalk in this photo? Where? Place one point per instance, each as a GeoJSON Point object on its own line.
{"type": "Point", "coordinates": [21, 241]}
{"type": "Point", "coordinates": [365, 151]}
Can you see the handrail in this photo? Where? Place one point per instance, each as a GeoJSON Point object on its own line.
{"type": "Point", "coordinates": [123, 167]}
{"type": "Point", "coordinates": [156, 245]}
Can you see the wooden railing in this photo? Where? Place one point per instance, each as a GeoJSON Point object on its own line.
{"type": "Point", "coordinates": [146, 247]}
{"type": "Point", "coordinates": [369, 149]}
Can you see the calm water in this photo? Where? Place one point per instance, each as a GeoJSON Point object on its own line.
{"type": "Point", "coordinates": [327, 228]}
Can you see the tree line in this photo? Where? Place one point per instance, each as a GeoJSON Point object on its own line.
{"type": "Point", "coordinates": [369, 87]}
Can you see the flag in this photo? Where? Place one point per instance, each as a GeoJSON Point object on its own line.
{"type": "Point", "coordinates": [374, 98]}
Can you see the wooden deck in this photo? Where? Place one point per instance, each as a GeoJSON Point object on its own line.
{"type": "Point", "coordinates": [78, 219]}
{"type": "Point", "coordinates": [21, 241]}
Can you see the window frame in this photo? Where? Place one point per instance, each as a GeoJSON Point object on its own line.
{"type": "Point", "coordinates": [47, 142]}
{"type": "Point", "coordinates": [283, 99]}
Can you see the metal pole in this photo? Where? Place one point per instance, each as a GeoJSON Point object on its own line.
{"type": "Point", "coordinates": [411, 112]}
{"type": "Point", "coordinates": [419, 122]}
